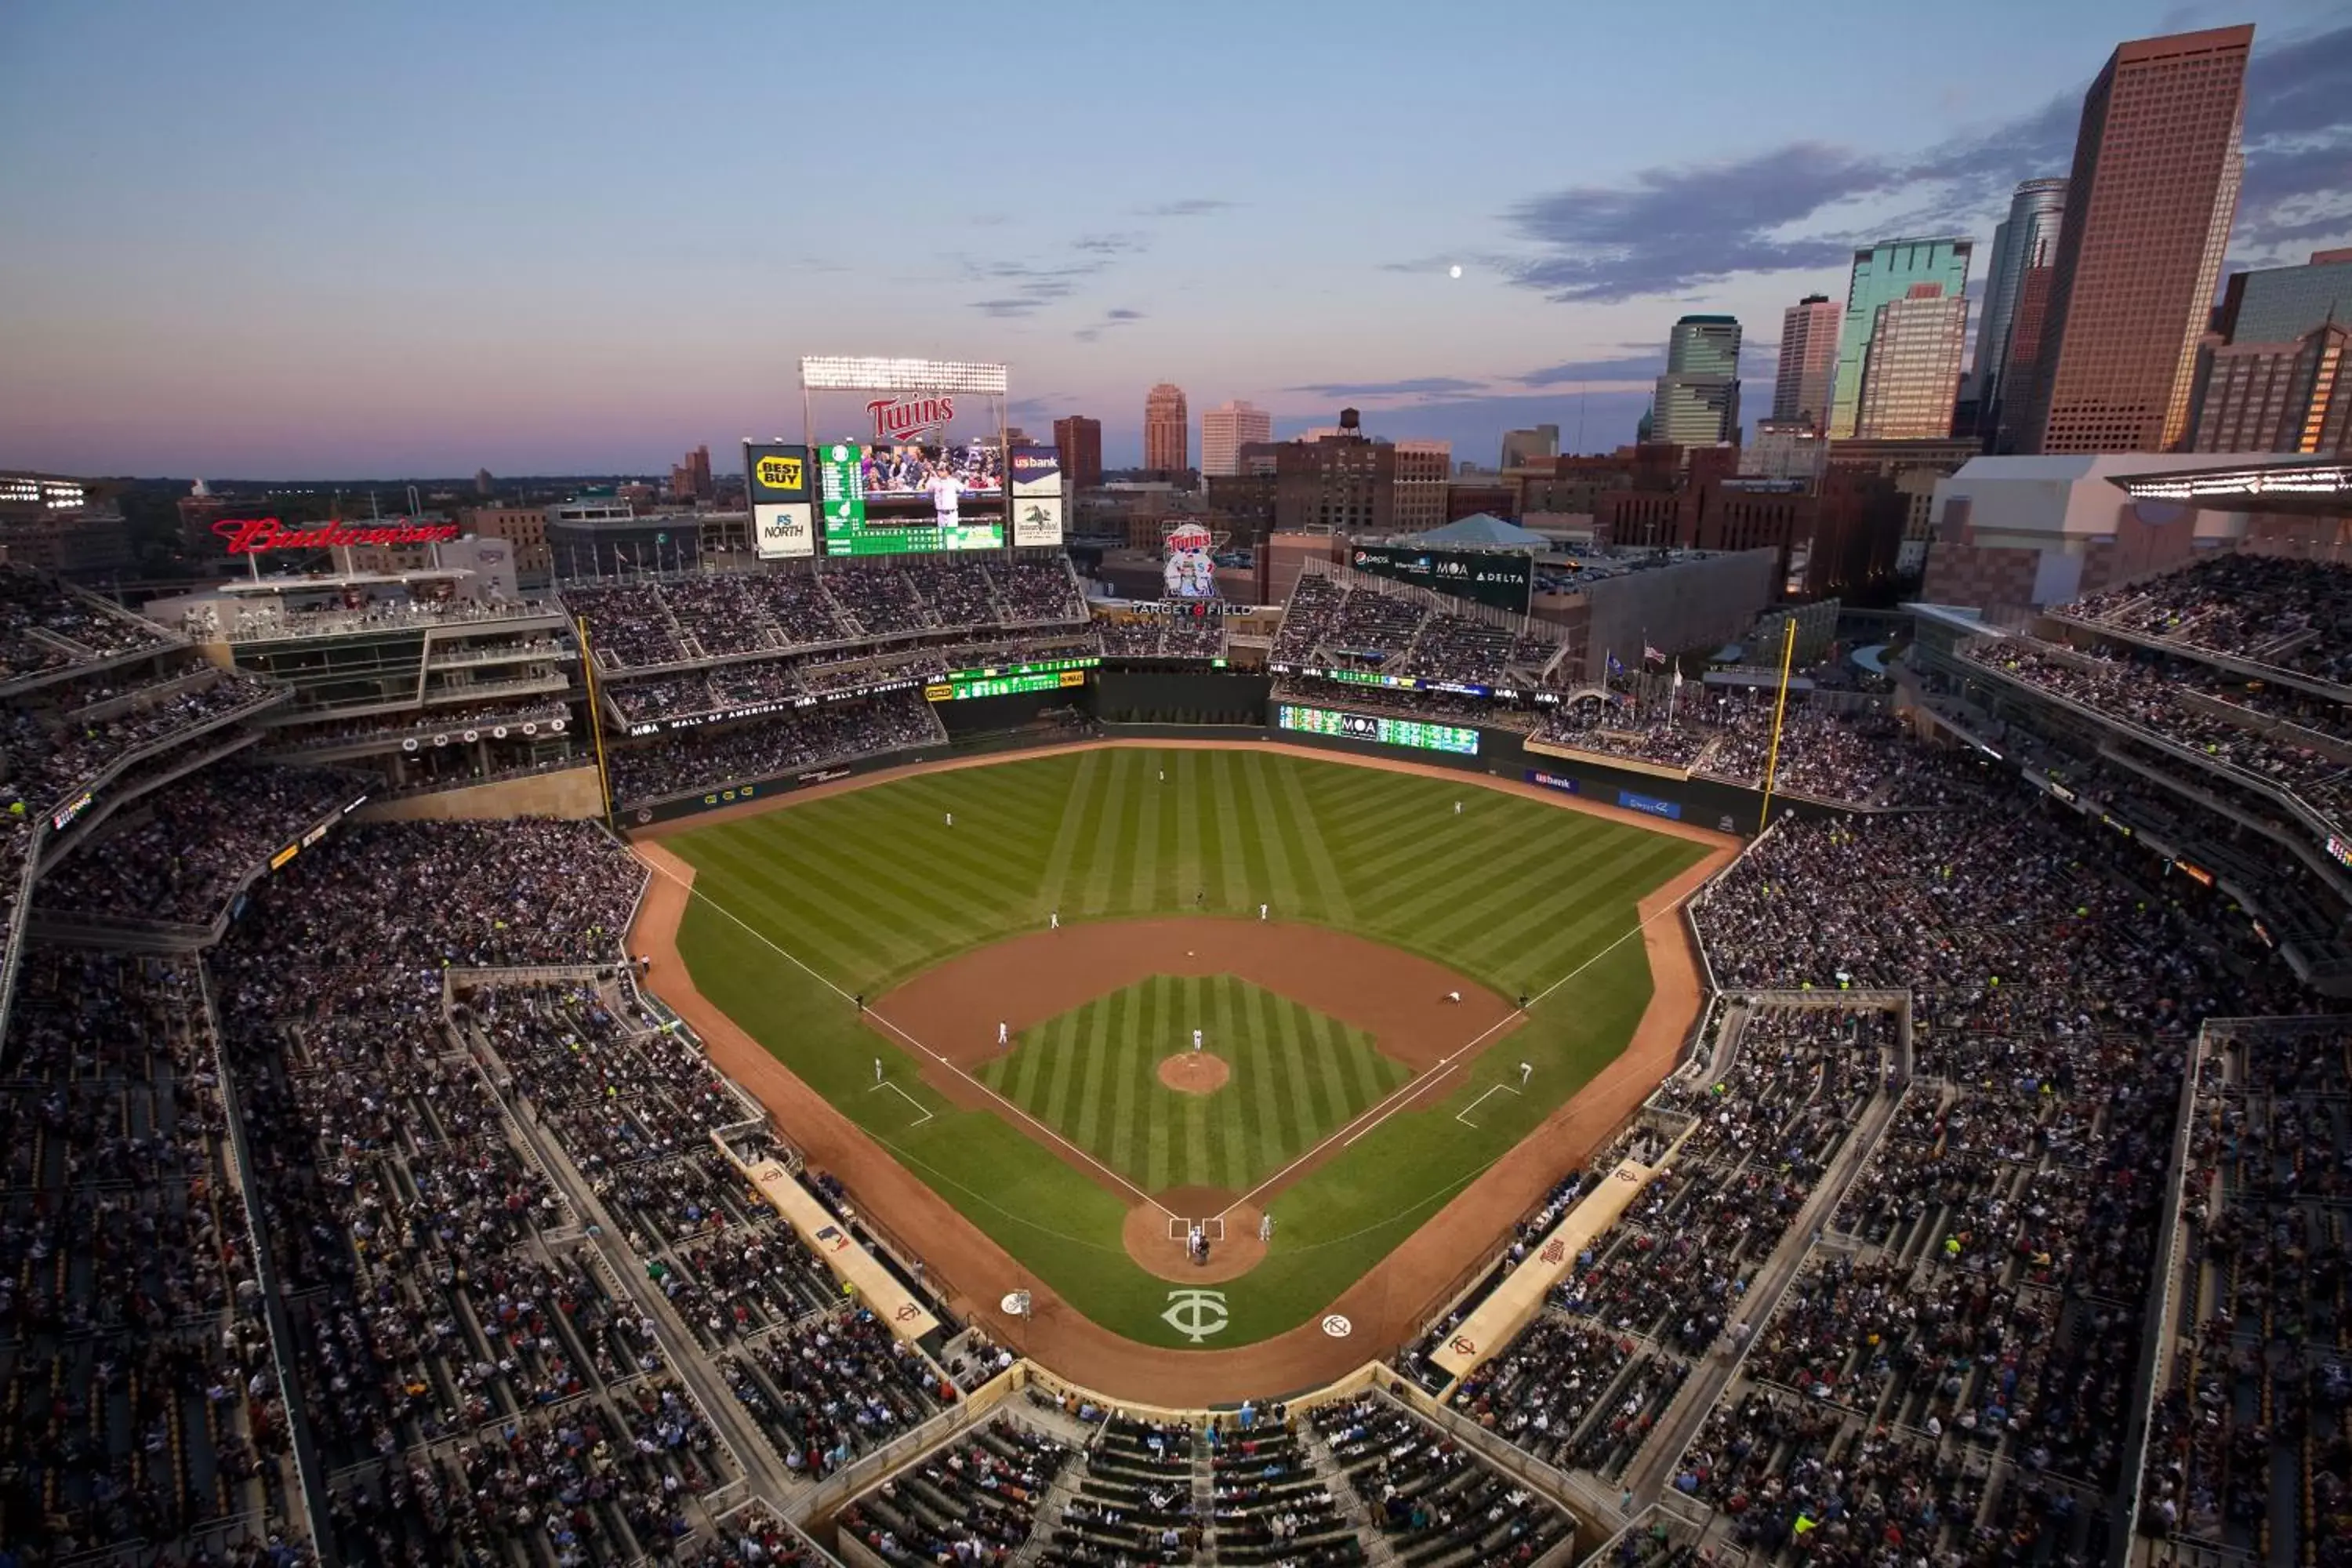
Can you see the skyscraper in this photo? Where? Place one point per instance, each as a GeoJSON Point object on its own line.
{"type": "Point", "coordinates": [1167, 430]}
{"type": "Point", "coordinates": [1911, 371]}
{"type": "Point", "coordinates": [2277, 304]}
{"type": "Point", "coordinates": [1884, 273]}
{"type": "Point", "coordinates": [1227, 429]}
{"type": "Point", "coordinates": [2027, 239]}
{"type": "Point", "coordinates": [1078, 440]}
{"type": "Point", "coordinates": [1697, 400]}
{"type": "Point", "coordinates": [2294, 397]}
{"type": "Point", "coordinates": [2148, 209]}
{"type": "Point", "coordinates": [1809, 346]}
{"type": "Point", "coordinates": [1522, 447]}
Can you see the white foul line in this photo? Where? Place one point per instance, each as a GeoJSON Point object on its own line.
{"type": "Point", "coordinates": [1397, 1100]}
{"type": "Point", "coordinates": [1462, 1115]}
{"type": "Point", "coordinates": [926, 1112]}
{"type": "Point", "coordinates": [693, 892]}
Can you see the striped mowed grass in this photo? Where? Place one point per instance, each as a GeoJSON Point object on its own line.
{"type": "Point", "coordinates": [869, 886]}
{"type": "Point", "coordinates": [1092, 1074]}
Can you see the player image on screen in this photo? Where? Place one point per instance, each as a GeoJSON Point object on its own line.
{"type": "Point", "coordinates": [909, 472]}
{"type": "Point", "coordinates": [1189, 573]}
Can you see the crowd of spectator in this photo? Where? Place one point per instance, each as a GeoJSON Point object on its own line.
{"type": "Point", "coordinates": [1859, 758]}
{"type": "Point", "coordinates": [178, 854]}
{"type": "Point", "coordinates": [137, 1400]}
{"type": "Point", "coordinates": [1163, 636]}
{"type": "Point", "coordinates": [1134, 1503]}
{"type": "Point", "coordinates": [1427, 1493]}
{"type": "Point", "coordinates": [545, 716]}
{"type": "Point", "coordinates": [46, 627]}
{"type": "Point", "coordinates": [774, 744]}
{"type": "Point", "coordinates": [971, 1503]}
{"type": "Point", "coordinates": [2178, 700]}
{"type": "Point", "coordinates": [2293, 614]}
{"type": "Point", "coordinates": [1362, 627]}
{"type": "Point", "coordinates": [719, 613]}
{"type": "Point", "coordinates": [2256, 1400]}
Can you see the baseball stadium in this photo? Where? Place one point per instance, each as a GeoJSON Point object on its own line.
{"type": "Point", "coordinates": [936, 1037]}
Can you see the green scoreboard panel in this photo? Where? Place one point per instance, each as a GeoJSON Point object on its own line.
{"type": "Point", "coordinates": [965, 683]}
{"type": "Point", "coordinates": [1414, 732]}
{"type": "Point", "coordinates": [850, 527]}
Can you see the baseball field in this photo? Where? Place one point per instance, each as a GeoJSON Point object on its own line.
{"type": "Point", "coordinates": [997, 972]}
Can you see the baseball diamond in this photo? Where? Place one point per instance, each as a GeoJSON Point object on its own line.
{"type": "Point", "coordinates": [1107, 903]}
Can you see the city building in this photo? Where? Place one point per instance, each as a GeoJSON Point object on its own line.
{"type": "Point", "coordinates": [57, 525]}
{"type": "Point", "coordinates": [1423, 469]}
{"type": "Point", "coordinates": [1911, 366]}
{"type": "Point", "coordinates": [2294, 397]}
{"type": "Point", "coordinates": [2026, 238]}
{"type": "Point", "coordinates": [2280, 304]}
{"type": "Point", "coordinates": [1839, 538]}
{"type": "Point", "coordinates": [690, 480]}
{"type": "Point", "coordinates": [524, 527]}
{"type": "Point", "coordinates": [1882, 274]}
{"type": "Point", "coordinates": [1167, 431]}
{"type": "Point", "coordinates": [596, 536]}
{"type": "Point", "coordinates": [1225, 430]}
{"type": "Point", "coordinates": [2148, 207]}
{"type": "Point", "coordinates": [1526, 449]}
{"type": "Point", "coordinates": [2015, 534]}
{"type": "Point", "coordinates": [1785, 449]}
{"type": "Point", "coordinates": [1698, 398]}
{"type": "Point", "coordinates": [1080, 441]}
{"type": "Point", "coordinates": [1808, 345]}
{"type": "Point", "coordinates": [1342, 483]}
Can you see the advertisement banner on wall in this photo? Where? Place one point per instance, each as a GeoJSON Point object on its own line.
{"type": "Point", "coordinates": [775, 473]}
{"type": "Point", "coordinates": [783, 530]}
{"type": "Point", "coordinates": [1669, 809]}
{"type": "Point", "coordinates": [1500, 578]}
{"type": "Point", "coordinates": [1036, 496]}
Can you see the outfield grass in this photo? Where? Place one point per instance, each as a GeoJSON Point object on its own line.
{"type": "Point", "coordinates": [865, 888]}
{"type": "Point", "coordinates": [1093, 1075]}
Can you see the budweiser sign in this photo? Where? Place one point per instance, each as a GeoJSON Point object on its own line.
{"type": "Point", "coordinates": [251, 536]}
{"type": "Point", "coordinates": [896, 418]}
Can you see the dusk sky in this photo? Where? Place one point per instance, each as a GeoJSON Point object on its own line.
{"type": "Point", "coordinates": [302, 241]}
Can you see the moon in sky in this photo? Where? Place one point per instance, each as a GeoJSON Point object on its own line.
{"type": "Point", "coordinates": [1454, 270]}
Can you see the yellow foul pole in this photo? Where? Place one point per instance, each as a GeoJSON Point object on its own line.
{"type": "Point", "coordinates": [1780, 708]}
{"type": "Point", "coordinates": [596, 721]}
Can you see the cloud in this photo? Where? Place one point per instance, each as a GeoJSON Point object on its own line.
{"type": "Point", "coordinates": [1191, 206]}
{"type": "Point", "coordinates": [1120, 316]}
{"type": "Point", "coordinates": [1006, 307]}
{"type": "Point", "coordinates": [1415, 386]}
{"type": "Point", "coordinates": [1678, 229]}
{"type": "Point", "coordinates": [1111, 244]}
{"type": "Point", "coordinates": [1632, 367]}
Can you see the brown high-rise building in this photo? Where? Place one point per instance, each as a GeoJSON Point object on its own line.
{"type": "Point", "coordinates": [1809, 352]}
{"type": "Point", "coordinates": [2276, 397]}
{"type": "Point", "coordinates": [1080, 441]}
{"type": "Point", "coordinates": [1167, 430]}
{"type": "Point", "coordinates": [2148, 209]}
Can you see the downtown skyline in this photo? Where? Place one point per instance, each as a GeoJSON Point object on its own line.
{"type": "Point", "coordinates": [514, 252]}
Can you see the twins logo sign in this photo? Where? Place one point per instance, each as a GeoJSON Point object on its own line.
{"type": "Point", "coordinates": [1196, 1314]}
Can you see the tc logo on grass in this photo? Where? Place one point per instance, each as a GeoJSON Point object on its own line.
{"type": "Point", "coordinates": [1196, 1314]}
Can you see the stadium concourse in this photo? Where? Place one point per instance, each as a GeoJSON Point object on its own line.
{"type": "Point", "coordinates": [364, 1202]}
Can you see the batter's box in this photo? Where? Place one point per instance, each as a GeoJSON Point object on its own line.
{"type": "Point", "coordinates": [1213, 1227]}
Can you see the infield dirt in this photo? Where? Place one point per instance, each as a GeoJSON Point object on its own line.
{"type": "Point", "coordinates": [1387, 1306]}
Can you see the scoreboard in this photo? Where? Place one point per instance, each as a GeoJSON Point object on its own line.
{"type": "Point", "coordinates": [1419, 734]}
{"type": "Point", "coordinates": [853, 522]}
{"type": "Point", "coordinates": [1011, 679]}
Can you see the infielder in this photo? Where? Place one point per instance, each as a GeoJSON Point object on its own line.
{"type": "Point", "coordinates": [1004, 1035]}
{"type": "Point", "coordinates": [877, 1070]}
{"type": "Point", "coordinates": [1053, 920]}
{"type": "Point", "coordinates": [1196, 1039]}
{"type": "Point", "coordinates": [1457, 808]}
{"type": "Point", "coordinates": [1527, 1071]}
{"type": "Point", "coordinates": [1261, 911]}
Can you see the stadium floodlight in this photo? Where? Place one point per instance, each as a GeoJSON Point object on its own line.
{"type": "Point", "coordinates": [840, 372]}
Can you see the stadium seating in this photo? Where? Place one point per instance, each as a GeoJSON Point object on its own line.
{"type": "Point", "coordinates": [2293, 614]}
{"type": "Point", "coordinates": [1431, 1496]}
{"type": "Point", "coordinates": [774, 744]}
{"type": "Point", "coordinates": [976, 1500]}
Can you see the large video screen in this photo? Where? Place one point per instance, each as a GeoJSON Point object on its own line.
{"type": "Point", "coordinates": [1501, 578]}
{"type": "Point", "coordinates": [909, 499]}
{"type": "Point", "coordinates": [1414, 732]}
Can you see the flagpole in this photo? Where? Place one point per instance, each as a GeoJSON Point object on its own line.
{"type": "Point", "coordinates": [1779, 707]}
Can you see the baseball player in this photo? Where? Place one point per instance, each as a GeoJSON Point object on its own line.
{"type": "Point", "coordinates": [1261, 911]}
{"type": "Point", "coordinates": [1053, 920]}
{"type": "Point", "coordinates": [950, 819]}
{"type": "Point", "coordinates": [1457, 808]}
{"type": "Point", "coordinates": [1527, 1071]}
{"type": "Point", "coordinates": [1453, 995]}
{"type": "Point", "coordinates": [877, 1071]}
{"type": "Point", "coordinates": [1196, 1039]}
{"type": "Point", "coordinates": [1004, 1035]}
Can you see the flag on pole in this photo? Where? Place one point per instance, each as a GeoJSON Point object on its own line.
{"type": "Point", "coordinates": [1651, 656]}
{"type": "Point", "coordinates": [1614, 666]}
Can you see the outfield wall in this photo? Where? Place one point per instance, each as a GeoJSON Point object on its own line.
{"type": "Point", "coordinates": [1165, 705]}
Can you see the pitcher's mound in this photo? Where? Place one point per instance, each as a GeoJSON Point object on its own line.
{"type": "Point", "coordinates": [1154, 1236]}
{"type": "Point", "coordinates": [1194, 1072]}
